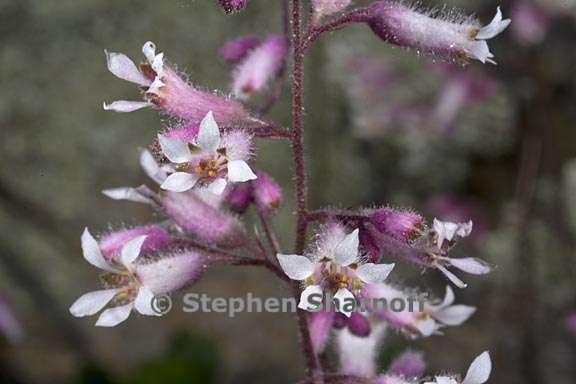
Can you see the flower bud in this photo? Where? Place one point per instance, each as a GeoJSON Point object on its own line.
{"type": "Point", "coordinates": [206, 223]}
{"type": "Point", "coordinates": [240, 198]}
{"type": "Point", "coordinates": [157, 239]}
{"type": "Point", "coordinates": [260, 66]}
{"type": "Point", "coordinates": [359, 325]}
{"type": "Point", "coordinates": [409, 364]}
{"type": "Point", "coordinates": [267, 193]}
{"type": "Point", "coordinates": [459, 39]}
{"type": "Point", "coordinates": [401, 225]}
{"type": "Point", "coordinates": [172, 272]}
{"type": "Point", "coordinates": [236, 50]}
{"type": "Point", "coordinates": [232, 6]}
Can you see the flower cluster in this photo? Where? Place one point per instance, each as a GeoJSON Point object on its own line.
{"type": "Point", "coordinates": [204, 179]}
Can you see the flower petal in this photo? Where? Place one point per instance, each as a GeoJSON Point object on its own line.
{"type": "Point", "coordinates": [92, 302]}
{"type": "Point", "coordinates": [445, 380]}
{"type": "Point", "coordinates": [149, 51]}
{"type": "Point", "coordinates": [305, 297]}
{"type": "Point", "coordinates": [479, 371]}
{"type": "Point", "coordinates": [179, 182]}
{"type": "Point", "coordinates": [175, 150]}
{"type": "Point", "coordinates": [151, 167]}
{"type": "Point", "coordinates": [374, 273]}
{"type": "Point", "coordinates": [342, 297]}
{"type": "Point", "coordinates": [126, 105]}
{"type": "Point", "coordinates": [454, 315]}
{"type": "Point", "coordinates": [143, 302]}
{"type": "Point", "coordinates": [426, 327]}
{"type": "Point", "coordinates": [346, 252]}
{"type": "Point", "coordinates": [114, 316]}
{"type": "Point", "coordinates": [452, 277]}
{"type": "Point", "coordinates": [92, 254]}
{"type": "Point", "coordinates": [239, 171]}
{"type": "Point", "coordinates": [209, 134]}
{"type": "Point", "coordinates": [122, 67]}
{"type": "Point", "coordinates": [127, 193]}
{"type": "Point", "coordinates": [448, 298]}
{"type": "Point", "coordinates": [471, 265]}
{"type": "Point", "coordinates": [218, 186]}
{"type": "Point", "coordinates": [131, 250]}
{"type": "Point", "coordinates": [296, 267]}
{"type": "Point", "coordinates": [496, 26]}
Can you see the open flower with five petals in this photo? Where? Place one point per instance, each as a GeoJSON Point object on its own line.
{"type": "Point", "coordinates": [210, 160]}
{"type": "Point", "coordinates": [334, 267]}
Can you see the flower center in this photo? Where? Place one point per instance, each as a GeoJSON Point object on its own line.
{"type": "Point", "coordinates": [336, 277]}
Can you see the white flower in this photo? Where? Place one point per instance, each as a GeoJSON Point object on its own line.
{"type": "Point", "coordinates": [125, 290]}
{"type": "Point", "coordinates": [207, 161]}
{"type": "Point", "coordinates": [446, 230]}
{"type": "Point", "coordinates": [124, 68]}
{"type": "Point", "coordinates": [337, 269]}
{"type": "Point", "coordinates": [479, 49]}
{"type": "Point", "coordinates": [478, 372]}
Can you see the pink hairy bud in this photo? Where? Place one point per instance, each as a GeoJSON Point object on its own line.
{"type": "Point", "coordinates": [206, 223]}
{"type": "Point", "coordinates": [240, 197]}
{"type": "Point", "coordinates": [402, 225]}
{"type": "Point", "coordinates": [236, 50]}
{"type": "Point", "coordinates": [267, 193]}
{"type": "Point", "coordinates": [157, 239]}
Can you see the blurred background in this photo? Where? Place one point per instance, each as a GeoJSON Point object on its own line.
{"type": "Point", "coordinates": [384, 126]}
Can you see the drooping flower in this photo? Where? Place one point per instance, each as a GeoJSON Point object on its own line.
{"type": "Point", "coordinates": [425, 318]}
{"type": "Point", "coordinates": [132, 284]}
{"type": "Point", "coordinates": [459, 39]}
{"type": "Point", "coordinates": [478, 372]}
{"type": "Point", "coordinates": [324, 8]}
{"type": "Point", "coordinates": [211, 160]}
{"type": "Point", "coordinates": [260, 66]}
{"type": "Point", "coordinates": [334, 267]}
{"type": "Point", "coordinates": [236, 50]}
{"type": "Point", "coordinates": [165, 89]}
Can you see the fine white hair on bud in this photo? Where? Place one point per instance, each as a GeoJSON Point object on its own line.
{"type": "Point", "coordinates": [453, 37]}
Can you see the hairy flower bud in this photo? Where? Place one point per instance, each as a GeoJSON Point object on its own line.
{"type": "Point", "coordinates": [157, 239]}
{"type": "Point", "coordinates": [240, 197]}
{"type": "Point", "coordinates": [203, 221]}
{"type": "Point", "coordinates": [267, 193]}
{"type": "Point", "coordinates": [459, 39]}
{"type": "Point", "coordinates": [172, 272]}
{"type": "Point", "coordinates": [236, 50]}
{"type": "Point", "coordinates": [401, 225]}
{"type": "Point", "coordinates": [260, 66]}
{"type": "Point", "coordinates": [232, 6]}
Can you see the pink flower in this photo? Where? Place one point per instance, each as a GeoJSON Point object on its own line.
{"type": "Point", "coordinates": [260, 65]}
{"type": "Point", "coordinates": [165, 89]}
{"type": "Point", "coordinates": [131, 284]}
{"type": "Point", "coordinates": [460, 38]}
{"type": "Point", "coordinates": [211, 160]}
{"type": "Point", "coordinates": [334, 266]}
{"type": "Point", "coordinates": [236, 50]}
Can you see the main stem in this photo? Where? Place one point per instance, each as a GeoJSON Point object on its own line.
{"type": "Point", "coordinates": [297, 141]}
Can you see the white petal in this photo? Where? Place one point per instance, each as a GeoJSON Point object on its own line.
{"type": "Point", "coordinates": [175, 150]}
{"type": "Point", "coordinates": [149, 51]}
{"type": "Point", "coordinates": [304, 297]}
{"type": "Point", "coordinates": [448, 297]}
{"type": "Point", "coordinates": [155, 86]}
{"type": "Point", "coordinates": [480, 51]}
{"type": "Point", "coordinates": [114, 316]}
{"type": "Point", "coordinates": [454, 315]}
{"type": "Point", "coordinates": [143, 302]}
{"type": "Point", "coordinates": [296, 267]}
{"type": "Point", "coordinates": [131, 251]}
{"type": "Point", "coordinates": [209, 134]}
{"type": "Point", "coordinates": [343, 297]}
{"type": "Point", "coordinates": [496, 26]}
{"type": "Point", "coordinates": [158, 65]}
{"type": "Point", "coordinates": [239, 171]}
{"type": "Point", "coordinates": [445, 380]}
{"type": "Point", "coordinates": [479, 371]}
{"type": "Point", "coordinates": [218, 186]}
{"type": "Point", "coordinates": [374, 273]}
{"type": "Point", "coordinates": [426, 327]}
{"type": "Point", "coordinates": [124, 68]}
{"type": "Point", "coordinates": [471, 265]}
{"type": "Point", "coordinates": [452, 277]}
{"type": "Point", "coordinates": [179, 182]}
{"type": "Point", "coordinates": [126, 105]}
{"type": "Point", "coordinates": [464, 229]}
{"type": "Point", "coordinates": [92, 302]}
{"type": "Point", "coordinates": [127, 193]}
{"type": "Point", "coordinates": [346, 252]}
{"type": "Point", "coordinates": [151, 167]}
{"type": "Point", "coordinates": [92, 254]}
